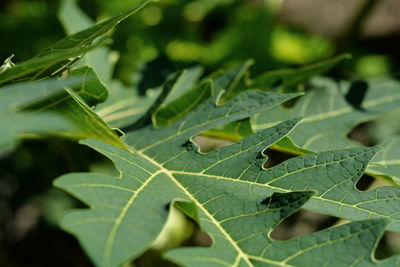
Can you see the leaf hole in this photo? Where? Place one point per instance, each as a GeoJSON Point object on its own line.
{"type": "Point", "coordinates": [105, 166]}
{"type": "Point", "coordinates": [200, 239]}
{"type": "Point", "coordinates": [389, 245]}
{"type": "Point", "coordinates": [152, 257]}
{"type": "Point", "coordinates": [275, 158]}
{"type": "Point", "coordinates": [208, 144]}
{"type": "Point", "coordinates": [356, 94]}
{"type": "Point", "coordinates": [364, 182]}
{"type": "Point", "coordinates": [360, 134]}
{"type": "Point", "coordinates": [367, 182]}
{"type": "Point", "coordinates": [301, 223]}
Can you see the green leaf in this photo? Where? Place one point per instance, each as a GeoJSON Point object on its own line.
{"type": "Point", "coordinates": [329, 117]}
{"type": "Point", "coordinates": [227, 191]}
{"type": "Point", "coordinates": [354, 242]}
{"type": "Point", "coordinates": [59, 108]}
{"type": "Point", "coordinates": [74, 20]}
{"type": "Point", "coordinates": [233, 131]}
{"type": "Point", "coordinates": [186, 81]}
{"type": "Point", "coordinates": [75, 106]}
{"type": "Point", "coordinates": [292, 77]}
{"type": "Point", "coordinates": [236, 82]}
{"type": "Point", "coordinates": [283, 77]}
{"type": "Point", "coordinates": [125, 106]}
{"type": "Point", "coordinates": [141, 175]}
{"type": "Point", "coordinates": [167, 89]}
{"type": "Point", "coordinates": [59, 56]}
{"type": "Point", "coordinates": [387, 162]}
{"type": "Point", "coordinates": [183, 93]}
{"type": "Point", "coordinates": [16, 122]}
{"type": "Point", "coordinates": [165, 115]}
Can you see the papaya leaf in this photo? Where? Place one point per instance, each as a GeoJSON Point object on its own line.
{"type": "Point", "coordinates": [292, 77]}
{"type": "Point", "coordinates": [251, 229]}
{"type": "Point", "coordinates": [387, 162]}
{"type": "Point", "coordinates": [285, 78]}
{"type": "Point", "coordinates": [227, 191]}
{"type": "Point", "coordinates": [16, 122]}
{"type": "Point", "coordinates": [127, 109]}
{"type": "Point", "coordinates": [125, 106]}
{"type": "Point", "coordinates": [76, 107]}
{"type": "Point", "coordinates": [329, 116]}
{"type": "Point", "coordinates": [62, 105]}
{"type": "Point", "coordinates": [147, 118]}
{"type": "Point", "coordinates": [110, 249]}
{"type": "Point", "coordinates": [73, 19]}
{"type": "Point", "coordinates": [236, 81]}
{"type": "Point", "coordinates": [167, 114]}
{"type": "Point", "coordinates": [66, 51]}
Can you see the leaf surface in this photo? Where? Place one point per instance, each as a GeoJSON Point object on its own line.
{"type": "Point", "coordinates": [15, 122]}
{"type": "Point", "coordinates": [63, 53]}
{"type": "Point", "coordinates": [292, 77]}
{"type": "Point", "coordinates": [57, 108]}
{"type": "Point", "coordinates": [125, 106]}
{"type": "Point", "coordinates": [142, 177]}
{"type": "Point", "coordinates": [387, 162]}
{"type": "Point", "coordinates": [227, 191]}
{"type": "Point", "coordinates": [329, 117]}
{"type": "Point", "coordinates": [73, 19]}
{"type": "Point", "coordinates": [237, 81]}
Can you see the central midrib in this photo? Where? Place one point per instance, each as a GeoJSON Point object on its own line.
{"type": "Point", "coordinates": [198, 204]}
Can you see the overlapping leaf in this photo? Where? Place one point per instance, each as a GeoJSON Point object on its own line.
{"type": "Point", "coordinates": [237, 81]}
{"type": "Point", "coordinates": [387, 162]}
{"type": "Point", "coordinates": [228, 191]}
{"type": "Point", "coordinates": [59, 108]}
{"type": "Point", "coordinates": [125, 106]}
{"type": "Point", "coordinates": [73, 19]}
{"type": "Point", "coordinates": [14, 123]}
{"type": "Point", "coordinates": [330, 116]}
{"type": "Point", "coordinates": [354, 242]}
{"type": "Point", "coordinates": [286, 78]}
{"type": "Point", "coordinates": [108, 249]}
{"type": "Point", "coordinates": [59, 56]}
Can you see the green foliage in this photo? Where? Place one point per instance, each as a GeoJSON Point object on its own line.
{"type": "Point", "coordinates": [74, 20]}
{"type": "Point", "coordinates": [387, 162]}
{"type": "Point", "coordinates": [329, 106]}
{"type": "Point", "coordinates": [63, 53]}
{"type": "Point", "coordinates": [57, 108]}
{"type": "Point", "coordinates": [68, 91]}
{"type": "Point", "coordinates": [127, 213]}
{"type": "Point", "coordinates": [14, 122]}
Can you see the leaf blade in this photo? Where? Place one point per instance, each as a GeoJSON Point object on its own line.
{"type": "Point", "coordinates": [65, 51]}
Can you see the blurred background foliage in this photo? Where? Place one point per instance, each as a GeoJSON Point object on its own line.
{"type": "Point", "coordinates": [162, 38]}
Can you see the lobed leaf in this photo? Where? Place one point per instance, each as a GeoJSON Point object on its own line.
{"type": "Point", "coordinates": [56, 108]}
{"type": "Point", "coordinates": [125, 106]}
{"type": "Point", "coordinates": [15, 122]}
{"type": "Point", "coordinates": [116, 202]}
{"type": "Point", "coordinates": [63, 53]}
{"type": "Point", "coordinates": [387, 162]}
{"type": "Point", "coordinates": [73, 19]}
{"type": "Point", "coordinates": [228, 192]}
